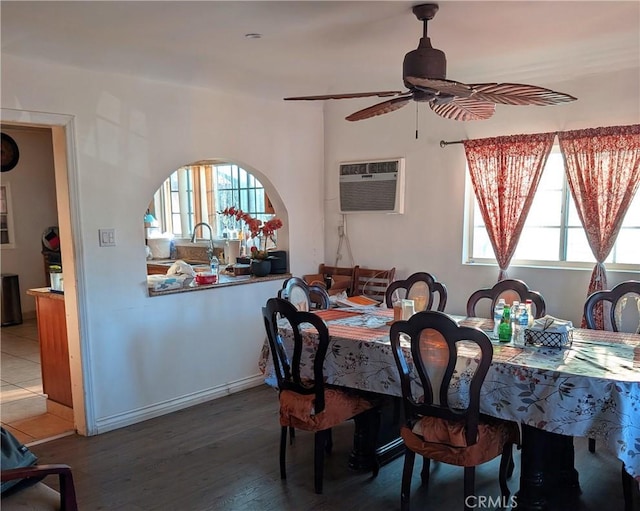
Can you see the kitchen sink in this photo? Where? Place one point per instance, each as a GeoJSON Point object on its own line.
{"type": "Point", "coordinates": [160, 266]}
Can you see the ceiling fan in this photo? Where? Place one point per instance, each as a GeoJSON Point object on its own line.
{"type": "Point", "coordinates": [424, 73]}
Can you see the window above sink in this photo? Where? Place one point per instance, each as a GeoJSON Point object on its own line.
{"type": "Point", "coordinates": [195, 193]}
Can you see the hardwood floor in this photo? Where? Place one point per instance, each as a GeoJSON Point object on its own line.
{"type": "Point", "coordinates": [223, 455]}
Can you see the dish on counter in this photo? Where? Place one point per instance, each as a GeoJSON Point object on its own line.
{"type": "Point", "coordinates": [206, 278]}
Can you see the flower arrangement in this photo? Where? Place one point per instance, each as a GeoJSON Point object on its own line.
{"type": "Point", "coordinates": [257, 228]}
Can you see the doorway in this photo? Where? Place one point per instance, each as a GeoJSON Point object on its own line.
{"type": "Point", "coordinates": [23, 339]}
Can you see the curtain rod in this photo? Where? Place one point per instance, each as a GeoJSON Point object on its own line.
{"type": "Point", "coordinates": [444, 143]}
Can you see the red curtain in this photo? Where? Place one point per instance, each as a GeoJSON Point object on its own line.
{"type": "Point", "coordinates": [603, 172]}
{"type": "Point", "coordinates": [505, 172]}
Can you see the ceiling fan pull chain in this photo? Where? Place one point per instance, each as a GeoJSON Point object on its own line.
{"type": "Point", "coordinates": [416, 120]}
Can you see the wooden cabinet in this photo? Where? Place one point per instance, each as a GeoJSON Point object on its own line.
{"type": "Point", "coordinates": [54, 348]}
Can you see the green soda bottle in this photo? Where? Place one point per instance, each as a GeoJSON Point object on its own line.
{"type": "Point", "coordinates": [504, 330]}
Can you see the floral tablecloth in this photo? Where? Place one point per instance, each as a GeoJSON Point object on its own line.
{"type": "Point", "coordinates": [591, 389]}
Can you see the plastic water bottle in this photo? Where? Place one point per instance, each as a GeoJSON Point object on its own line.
{"type": "Point", "coordinates": [215, 267]}
{"type": "Point", "coordinates": [523, 320]}
{"type": "Point", "coordinates": [515, 307]}
{"type": "Point", "coordinates": [504, 329]}
{"type": "Point", "coordinates": [497, 316]}
{"type": "Point", "coordinates": [529, 304]}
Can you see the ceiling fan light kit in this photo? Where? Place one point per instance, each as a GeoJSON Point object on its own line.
{"type": "Point", "coordinates": [424, 72]}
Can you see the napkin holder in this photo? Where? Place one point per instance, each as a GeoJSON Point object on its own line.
{"type": "Point", "coordinates": [550, 332]}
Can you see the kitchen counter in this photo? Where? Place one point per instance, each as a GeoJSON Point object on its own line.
{"type": "Point", "coordinates": [225, 280]}
{"type": "Point", "coordinates": [54, 348]}
{"type": "Point", "coordinates": [45, 292]}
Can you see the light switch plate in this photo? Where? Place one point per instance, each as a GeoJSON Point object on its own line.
{"type": "Point", "coordinates": [107, 237]}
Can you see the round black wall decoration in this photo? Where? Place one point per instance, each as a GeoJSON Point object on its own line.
{"type": "Point", "coordinates": [10, 153]}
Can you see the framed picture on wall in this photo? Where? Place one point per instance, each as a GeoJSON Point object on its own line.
{"type": "Point", "coordinates": [6, 218]}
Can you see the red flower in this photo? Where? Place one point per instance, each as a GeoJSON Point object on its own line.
{"type": "Point", "coordinates": [255, 226]}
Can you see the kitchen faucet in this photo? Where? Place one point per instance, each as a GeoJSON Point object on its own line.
{"type": "Point", "coordinates": [193, 236]}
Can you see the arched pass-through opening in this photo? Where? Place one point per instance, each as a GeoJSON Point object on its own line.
{"type": "Point", "coordinates": [184, 220]}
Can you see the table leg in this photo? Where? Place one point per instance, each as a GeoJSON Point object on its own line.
{"type": "Point", "coordinates": [384, 420]}
{"type": "Point", "coordinates": [631, 492]}
{"type": "Point", "coordinates": [547, 469]}
{"type": "Point", "coordinates": [531, 493]}
{"type": "Point", "coordinates": [366, 425]}
{"type": "Point", "coordinates": [560, 464]}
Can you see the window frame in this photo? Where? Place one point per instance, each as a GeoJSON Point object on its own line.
{"type": "Point", "coordinates": [469, 228]}
{"type": "Point", "coordinates": [6, 210]}
{"type": "Point", "coordinates": [162, 202]}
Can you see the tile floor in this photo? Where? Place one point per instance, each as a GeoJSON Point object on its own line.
{"type": "Point", "coordinates": [23, 406]}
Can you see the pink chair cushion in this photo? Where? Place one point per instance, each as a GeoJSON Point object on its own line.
{"type": "Point", "coordinates": [443, 440]}
{"type": "Point", "coordinates": [440, 431]}
{"type": "Point", "coordinates": [297, 410]}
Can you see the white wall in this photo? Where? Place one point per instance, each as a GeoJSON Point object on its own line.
{"type": "Point", "coordinates": [145, 355]}
{"type": "Point", "coordinates": [429, 236]}
{"type": "Point", "coordinates": [34, 209]}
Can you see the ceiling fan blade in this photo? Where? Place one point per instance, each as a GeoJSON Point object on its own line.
{"type": "Point", "coordinates": [381, 108]}
{"type": "Point", "coordinates": [464, 109]}
{"type": "Point", "coordinates": [519, 94]}
{"type": "Point", "coordinates": [452, 88]}
{"type": "Point", "coordinates": [381, 94]}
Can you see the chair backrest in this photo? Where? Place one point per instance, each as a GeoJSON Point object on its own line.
{"type": "Point", "coordinates": [419, 286]}
{"type": "Point", "coordinates": [372, 283]}
{"type": "Point", "coordinates": [623, 318]}
{"type": "Point", "coordinates": [304, 296]}
{"type": "Point", "coordinates": [342, 274]}
{"type": "Point", "coordinates": [288, 368]}
{"type": "Point", "coordinates": [509, 289]}
{"type": "Point", "coordinates": [319, 297]}
{"type": "Point", "coordinates": [436, 342]}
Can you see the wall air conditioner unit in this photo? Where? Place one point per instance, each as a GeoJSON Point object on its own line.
{"type": "Point", "coordinates": [372, 186]}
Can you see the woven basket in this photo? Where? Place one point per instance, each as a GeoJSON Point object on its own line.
{"type": "Point", "coordinates": [550, 339]}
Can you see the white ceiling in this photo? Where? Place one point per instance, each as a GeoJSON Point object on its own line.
{"type": "Point", "coordinates": [318, 47]}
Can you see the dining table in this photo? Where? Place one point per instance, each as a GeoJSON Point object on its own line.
{"type": "Point", "coordinates": [588, 388]}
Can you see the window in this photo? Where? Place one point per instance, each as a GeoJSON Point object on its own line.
{"type": "Point", "coordinates": [195, 193]}
{"type": "Point", "coordinates": [552, 232]}
{"type": "Point", "coordinates": [6, 218]}
{"type": "Point", "coordinates": [237, 187]}
{"type": "Point", "coordinates": [180, 186]}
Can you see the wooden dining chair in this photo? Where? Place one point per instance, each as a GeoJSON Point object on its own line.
{"type": "Point", "coordinates": [372, 283]}
{"type": "Point", "coordinates": [31, 493]}
{"type": "Point", "coordinates": [618, 308]}
{"type": "Point", "coordinates": [622, 317]}
{"type": "Point", "coordinates": [336, 278]}
{"type": "Point", "coordinates": [307, 402]}
{"type": "Point", "coordinates": [509, 289]}
{"type": "Point", "coordinates": [420, 284]}
{"type": "Point", "coordinates": [304, 296]}
{"type": "Point", "coordinates": [442, 421]}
